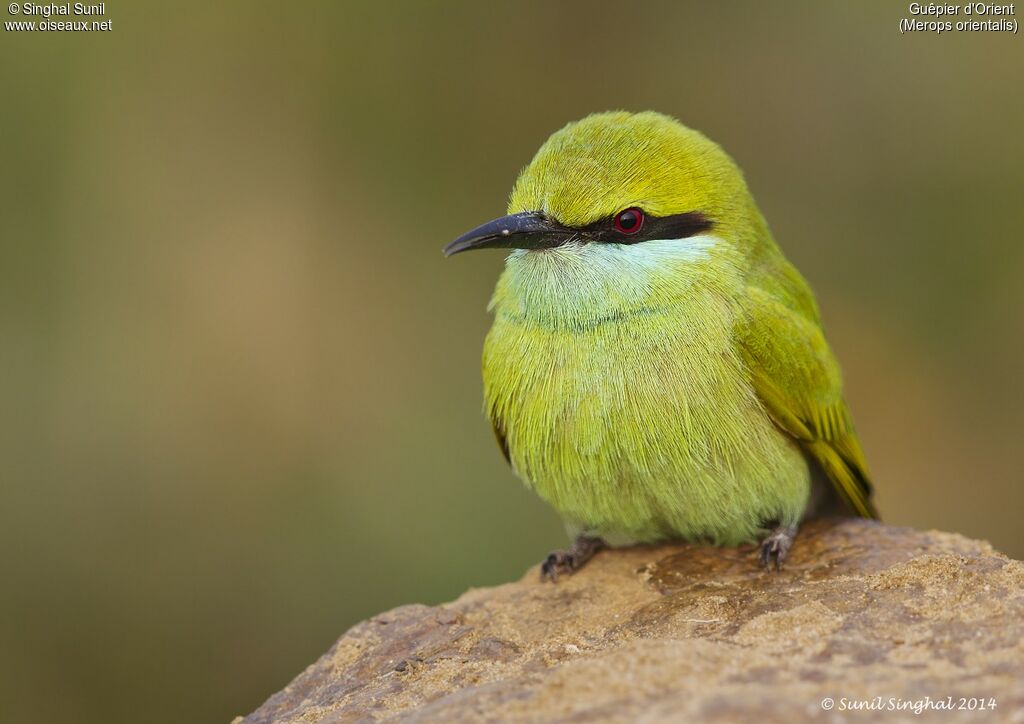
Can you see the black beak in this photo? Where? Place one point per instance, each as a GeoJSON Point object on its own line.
{"type": "Point", "coordinates": [526, 230]}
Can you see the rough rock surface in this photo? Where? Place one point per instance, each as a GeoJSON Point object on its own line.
{"type": "Point", "coordinates": [692, 633]}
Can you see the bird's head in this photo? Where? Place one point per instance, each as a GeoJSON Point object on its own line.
{"type": "Point", "coordinates": [620, 178]}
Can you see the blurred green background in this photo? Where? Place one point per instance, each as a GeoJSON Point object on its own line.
{"type": "Point", "coordinates": [241, 405]}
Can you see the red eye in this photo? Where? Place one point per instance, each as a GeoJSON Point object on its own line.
{"type": "Point", "coordinates": [629, 221]}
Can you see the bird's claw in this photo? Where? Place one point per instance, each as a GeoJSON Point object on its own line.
{"type": "Point", "coordinates": [775, 547]}
{"type": "Point", "coordinates": [570, 561]}
{"type": "Point", "coordinates": [556, 563]}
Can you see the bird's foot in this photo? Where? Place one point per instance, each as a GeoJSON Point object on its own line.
{"type": "Point", "coordinates": [776, 546]}
{"type": "Point", "coordinates": [570, 561]}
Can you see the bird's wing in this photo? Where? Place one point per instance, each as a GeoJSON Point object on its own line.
{"type": "Point", "coordinates": [799, 383]}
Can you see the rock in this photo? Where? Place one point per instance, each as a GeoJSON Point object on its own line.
{"type": "Point", "coordinates": [861, 613]}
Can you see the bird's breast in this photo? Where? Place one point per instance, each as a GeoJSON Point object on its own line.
{"type": "Point", "coordinates": [629, 385]}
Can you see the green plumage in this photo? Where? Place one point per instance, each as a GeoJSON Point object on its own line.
{"type": "Point", "coordinates": [669, 388]}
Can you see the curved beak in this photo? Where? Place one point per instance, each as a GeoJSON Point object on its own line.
{"type": "Point", "coordinates": [525, 230]}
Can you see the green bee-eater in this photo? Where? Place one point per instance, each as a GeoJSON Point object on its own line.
{"type": "Point", "coordinates": [657, 368]}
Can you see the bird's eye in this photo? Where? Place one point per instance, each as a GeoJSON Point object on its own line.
{"type": "Point", "coordinates": [629, 221]}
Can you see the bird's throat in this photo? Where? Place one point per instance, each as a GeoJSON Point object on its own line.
{"type": "Point", "coordinates": [585, 285]}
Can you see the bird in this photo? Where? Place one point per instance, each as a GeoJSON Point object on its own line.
{"type": "Point", "coordinates": [656, 368]}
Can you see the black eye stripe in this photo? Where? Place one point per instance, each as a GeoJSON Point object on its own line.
{"type": "Point", "coordinates": [677, 226]}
